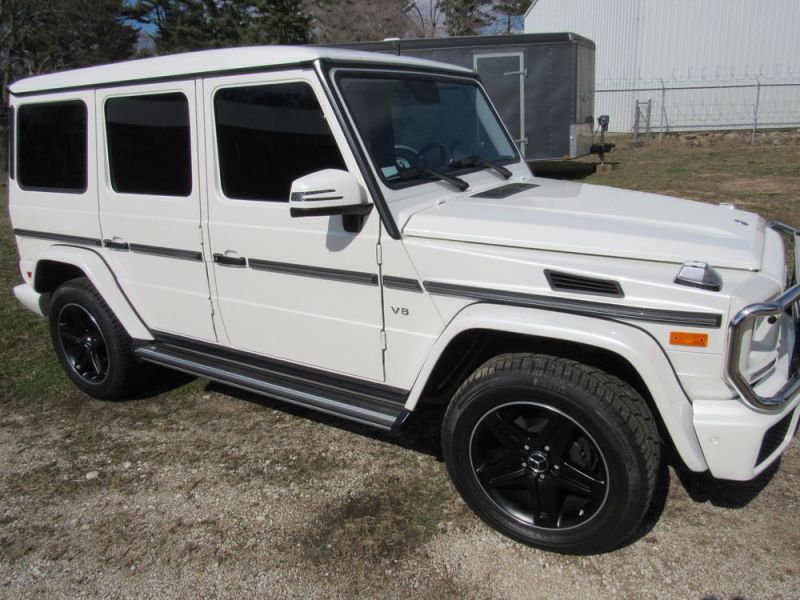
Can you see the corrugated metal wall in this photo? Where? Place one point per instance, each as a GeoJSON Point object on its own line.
{"type": "Point", "coordinates": [705, 45]}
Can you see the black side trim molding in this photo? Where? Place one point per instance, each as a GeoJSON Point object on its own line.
{"type": "Point", "coordinates": [87, 241]}
{"type": "Point", "coordinates": [58, 237]}
{"type": "Point", "coordinates": [168, 252]}
{"type": "Point", "coordinates": [401, 283]}
{"type": "Point", "coordinates": [319, 272]}
{"type": "Point", "coordinates": [578, 307]}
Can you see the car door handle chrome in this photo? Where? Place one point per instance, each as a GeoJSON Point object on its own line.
{"type": "Point", "coordinates": [230, 261]}
{"type": "Point", "coordinates": [116, 244]}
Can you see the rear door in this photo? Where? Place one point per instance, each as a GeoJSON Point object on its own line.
{"type": "Point", "coordinates": [503, 76]}
{"type": "Point", "coordinates": [298, 289]}
{"type": "Point", "coordinates": [149, 196]}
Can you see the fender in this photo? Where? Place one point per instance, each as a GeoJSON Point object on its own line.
{"type": "Point", "coordinates": [628, 341]}
{"type": "Point", "coordinates": [97, 270]}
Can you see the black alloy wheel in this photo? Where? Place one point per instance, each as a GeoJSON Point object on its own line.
{"type": "Point", "coordinates": [551, 452]}
{"type": "Point", "coordinates": [539, 465]}
{"type": "Point", "coordinates": [92, 345]}
{"type": "Point", "coordinates": [83, 343]}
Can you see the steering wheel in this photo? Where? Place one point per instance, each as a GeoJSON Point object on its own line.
{"type": "Point", "coordinates": [428, 150]}
{"type": "Point", "coordinates": [406, 157]}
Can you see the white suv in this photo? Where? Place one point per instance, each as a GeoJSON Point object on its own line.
{"type": "Point", "coordinates": [357, 233]}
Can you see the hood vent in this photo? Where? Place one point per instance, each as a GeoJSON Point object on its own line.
{"type": "Point", "coordinates": [578, 284]}
{"type": "Point", "coordinates": [504, 191]}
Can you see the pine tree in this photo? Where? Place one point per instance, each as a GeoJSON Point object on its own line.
{"type": "Point", "coordinates": [37, 36]}
{"type": "Point", "coordinates": [183, 25]}
{"type": "Point", "coordinates": [465, 17]}
{"type": "Point", "coordinates": [510, 10]}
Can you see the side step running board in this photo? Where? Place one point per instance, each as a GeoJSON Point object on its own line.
{"type": "Point", "coordinates": [375, 411]}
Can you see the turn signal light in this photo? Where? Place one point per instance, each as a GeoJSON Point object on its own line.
{"type": "Point", "coordinates": [684, 338]}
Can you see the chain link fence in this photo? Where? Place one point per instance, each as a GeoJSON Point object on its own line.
{"type": "Point", "coordinates": [751, 106]}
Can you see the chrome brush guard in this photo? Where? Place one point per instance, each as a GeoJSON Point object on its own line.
{"type": "Point", "coordinates": [739, 325]}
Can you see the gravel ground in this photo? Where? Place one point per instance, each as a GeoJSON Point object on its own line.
{"type": "Point", "coordinates": [213, 492]}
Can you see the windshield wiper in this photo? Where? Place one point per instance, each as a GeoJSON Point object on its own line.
{"type": "Point", "coordinates": [475, 160]}
{"type": "Point", "coordinates": [456, 182]}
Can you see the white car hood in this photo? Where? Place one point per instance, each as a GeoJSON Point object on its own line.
{"type": "Point", "coordinates": [564, 216]}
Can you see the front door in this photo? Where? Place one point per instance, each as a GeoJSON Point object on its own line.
{"type": "Point", "coordinates": [149, 196]}
{"type": "Point", "coordinates": [503, 76]}
{"type": "Point", "coordinates": [298, 289]}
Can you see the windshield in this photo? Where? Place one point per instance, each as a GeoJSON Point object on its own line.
{"type": "Point", "coordinates": [416, 127]}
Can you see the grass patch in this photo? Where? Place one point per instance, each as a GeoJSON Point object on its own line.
{"type": "Point", "coordinates": [28, 367]}
{"type": "Point", "coordinates": [713, 168]}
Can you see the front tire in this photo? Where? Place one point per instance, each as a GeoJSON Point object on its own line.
{"type": "Point", "coordinates": [552, 453]}
{"type": "Point", "coordinates": [92, 345]}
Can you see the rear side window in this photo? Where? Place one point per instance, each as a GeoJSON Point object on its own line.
{"type": "Point", "coordinates": [268, 136]}
{"type": "Point", "coordinates": [52, 146]}
{"type": "Point", "coordinates": [11, 142]}
{"type": "Point", "coordinates": [149, 144]}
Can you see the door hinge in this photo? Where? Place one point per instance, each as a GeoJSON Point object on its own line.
{"type": "Point", "coordinates": [383, 339]}
{"type": "Point", "coordinates": [379, 254]}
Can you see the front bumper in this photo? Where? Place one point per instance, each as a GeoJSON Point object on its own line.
{"type": "Point", "coordinates": [739, 444]}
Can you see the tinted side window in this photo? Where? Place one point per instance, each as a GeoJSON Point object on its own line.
{"type": "Point", "coordinates": [149, 144]}
{"type": "Point", "coordinates": [52, 146]}
{"type": "Point", "coordinates": [11, 142]}
{"type": "Point", "coordinates": [268, 136]}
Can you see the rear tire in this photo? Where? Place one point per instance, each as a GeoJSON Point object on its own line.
{"type": "Point", "coordinates": [552, 453]}
{"type": "Point", "coordinates": [92, 345]}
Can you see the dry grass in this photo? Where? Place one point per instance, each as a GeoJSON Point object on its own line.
{"type": "Point", "coordinates": [763, 178]}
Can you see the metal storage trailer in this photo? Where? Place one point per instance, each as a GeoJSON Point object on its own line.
{"type": "Point", "coordinates": [541, 84]}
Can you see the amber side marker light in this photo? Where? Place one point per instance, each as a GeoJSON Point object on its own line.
{"type": "Point", "coordinates": [684, 338]}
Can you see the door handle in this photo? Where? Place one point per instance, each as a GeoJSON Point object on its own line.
{"type": "Point", "coordinates": [115, 244]}
{"type": "Point", "coordinates": [230, 261]}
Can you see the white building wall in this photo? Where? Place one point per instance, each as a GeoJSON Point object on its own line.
{"type": "Point", "coordinates": [644, 44]}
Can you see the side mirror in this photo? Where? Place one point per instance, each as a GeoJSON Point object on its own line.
{"type": "Point", "coordinates": [327, 192]}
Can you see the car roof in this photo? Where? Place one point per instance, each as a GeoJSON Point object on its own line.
{"type": "Point", "coordinates": [207, 62]}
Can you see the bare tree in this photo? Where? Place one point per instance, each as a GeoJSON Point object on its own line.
{"type": "Point", "coordinates": [365, 20]}
{"type": "Point", "coordinates": [359, 20]}
{"type": "Point", "coordinates": [426, 17]}
{"type": "Point", "coordinates": [466, 17]}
